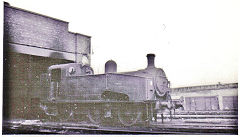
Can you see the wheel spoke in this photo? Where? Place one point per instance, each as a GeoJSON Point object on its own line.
{"type": "Point", "coordinates": [129, 115]}
{"type": "Point", "coordinates": [94, 115]}
{"type": "Point", "coordinates": [64, 113]}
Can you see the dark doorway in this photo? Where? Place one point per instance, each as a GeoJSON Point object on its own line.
{"type": "Point", "coordinates": [21, 81]}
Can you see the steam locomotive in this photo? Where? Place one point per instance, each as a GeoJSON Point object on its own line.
{"type": "Point", "coordinates": [72, 91]}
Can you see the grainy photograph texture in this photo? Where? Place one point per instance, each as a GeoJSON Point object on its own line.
{"type": "Point", "coordinates": [131, 73]}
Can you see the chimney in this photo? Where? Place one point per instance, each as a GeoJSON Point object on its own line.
{"type": "Point", "coordinates": [150, 58]}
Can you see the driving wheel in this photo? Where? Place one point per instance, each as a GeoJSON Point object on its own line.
{"type": "Point", "coordinates": [94, 114]}
{"type": "Point", "coordinates": [64, 113]}
{"type": "Point", "coordinates": [128, 115]}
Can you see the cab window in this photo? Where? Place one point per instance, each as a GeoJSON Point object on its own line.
{"type": "Point", "coordinates": [56, 75]}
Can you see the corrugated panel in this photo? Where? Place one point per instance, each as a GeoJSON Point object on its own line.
{"type": "Point", "coordinates": [188, 103]}
{"type": "Point", "coordinates": [208, 104]}
{"type": "Point", "coordinates": [193, 104]}
{"type": "Point", "coordinates": [214, 103]}
{"type": "Point", "coordinates": [235, 102]}
{"type": "Point", "coordinates": [202, 103]}
{"type": "Point", "coordinates": [230, 102]}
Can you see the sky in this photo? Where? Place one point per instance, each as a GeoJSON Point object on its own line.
{"type": "Point", "coordinates": [196, 42]}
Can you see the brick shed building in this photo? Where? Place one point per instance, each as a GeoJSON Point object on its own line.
{"type": "Point", "coordinates": [208, 97]}
{"type": "Point", "coordinates": [33, 42]}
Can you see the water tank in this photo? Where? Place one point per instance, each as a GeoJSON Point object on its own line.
{"type": "Point", "coordinates": [110, 66]}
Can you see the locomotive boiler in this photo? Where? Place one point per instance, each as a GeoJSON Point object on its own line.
{"type": "Point", "coordinates": [72, 91]}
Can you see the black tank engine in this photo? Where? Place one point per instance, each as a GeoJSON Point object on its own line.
{"type": "Point", "coordinates": [72, 91]}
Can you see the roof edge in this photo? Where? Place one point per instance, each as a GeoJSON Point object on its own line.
{"type": "Point", "coordinates": [206, 87]}
{"type": "Point", "coordinates": [6, 4]}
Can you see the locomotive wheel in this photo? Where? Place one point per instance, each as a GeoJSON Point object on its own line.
{"type": "Point", "coordinates": [129, 115]}
{"type": "Point", "coordinates": [50, 112]}
{"type": "Point", "coordinates": [95, 114]}
{"type": "Point", "coordinates": [64, 113]}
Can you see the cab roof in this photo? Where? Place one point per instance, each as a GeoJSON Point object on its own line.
{"type": "Point", "coordinates": [60, 66]}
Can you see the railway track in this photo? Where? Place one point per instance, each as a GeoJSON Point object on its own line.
{"type": "Point", "coordinates": [183, 122]}
{"type": "Point", "coordinates": [173, 127]}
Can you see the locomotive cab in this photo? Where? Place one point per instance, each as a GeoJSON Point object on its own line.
{"type": "Point", "coordinates": [58, 73]}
